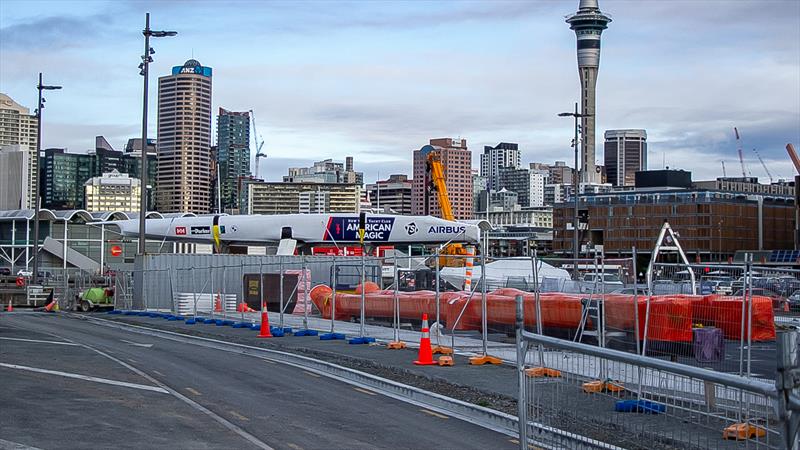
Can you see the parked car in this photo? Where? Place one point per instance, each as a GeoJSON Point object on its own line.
{"type": "Point", "coordinates": [778, 302]}
{"type": "Point", "coordinates": [5, 271]}
{"type": "Point", "coordinates": [25, 273]}
{"type": "Point", "coordinates": [794, 301]}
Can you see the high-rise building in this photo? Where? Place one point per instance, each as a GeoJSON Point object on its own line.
{"type": "Point", "coordinates": [588, 24]}
{"type": "Point", "coordinates": [457, 161]}
{"type": "Point", "coordinates": [625, 154]}
{"type": "Point", "coordinates": [112, 191]}
{"type": "Point", "coordinates": [134, 146]}
{"type": "Point", "coordinates": [233, 154]}
{"type": "Point", "coordinates": [184, 139]}
{"type": "Point", "coordinates": [14, 182]}
{"type": "Point", "coordinates": [503, 154]}
{"type": "Point", "coordinates": [392, 195]}
{"type": "Point", "coordinates": [63, 178]}
{"type": "Point", "coordinates": [19, 127]}
{"type": "Point", "coordinates": [527, 183]}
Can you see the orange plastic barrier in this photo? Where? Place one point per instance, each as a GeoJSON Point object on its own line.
{"type": "Point", "coordinates": [370, 287]}
{"type": "Point", "coordinates": [670, 316]}
{"type": "Point", "coordinates": [727, 315]}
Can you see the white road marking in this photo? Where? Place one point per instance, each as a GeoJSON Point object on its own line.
{"type": "Point", "coordinates": [39, 341]}
{"type": "Point", "coordinates": [143, 387]}
{"type": "Point", "coordinates": [137, 344]}
{"type": "Point", "coordinates": [8, 445]}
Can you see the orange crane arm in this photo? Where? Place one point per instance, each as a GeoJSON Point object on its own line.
{"type": "Point", "coordinates": [793, 155]}
{"type": "Point", "coordinates": [438, 180]}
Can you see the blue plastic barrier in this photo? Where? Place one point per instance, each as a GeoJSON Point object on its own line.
{"type": "Point", "coordinates": [360, 340]}
{"type": "Point", "coordinates": [306, 333]}
{"type": "Point", "coordinates": [114, 311]}
{"type": "Point", "coordinates": [191, 321]}
{"type": "Point", "coordinates": [640, 406]}
{"type": "Point", "coordinates": [331, 336]}
{"type": "Point", "coordinates": [241, 325]}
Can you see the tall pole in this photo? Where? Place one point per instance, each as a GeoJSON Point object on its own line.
{"type": "Point", "coordinates": [36, 200]}
{"type": "Point", "coordinates": [36, 184]}
{"type": "Point", "coordinates": [143, 176]}
{"type": "Point", "coordinates": [575, 176]}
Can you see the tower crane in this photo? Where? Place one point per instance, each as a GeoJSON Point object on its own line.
{"type": "Point", "coordinates": [258, 144]}
{"type": "Point", "coordinates": [763, 165]}
{"type": "Point", "coordinates": [739, 149]}
{"type": "Point", "coordinates": [724, 172]}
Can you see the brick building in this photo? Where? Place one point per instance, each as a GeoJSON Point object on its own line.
{"type": "Point", "coordinates": [457, 162]}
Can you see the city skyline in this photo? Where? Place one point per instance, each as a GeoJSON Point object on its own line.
{"type": "Point", "coordinates": [686, 72]}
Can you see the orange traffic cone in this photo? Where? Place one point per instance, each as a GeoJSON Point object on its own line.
{"type": "Point", "coordinates": [10, 308]}
{"type": "Point", "coordinates": [49, 306]}
{"type": "Point", "coordinates": [425, 357]}
{"type": "Point", "coordinates": [218, 304]}
{"type": "Point", "coordinates": [264, 332]}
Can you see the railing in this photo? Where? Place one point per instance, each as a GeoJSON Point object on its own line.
{"type": "Point", "coordinates": [616, 398]}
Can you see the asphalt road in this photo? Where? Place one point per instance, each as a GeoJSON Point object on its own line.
{"type": "Point", "coordinates": [66, 383]}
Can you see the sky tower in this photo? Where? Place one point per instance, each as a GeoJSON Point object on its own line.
{"type": "Point", "coordinates": [588, 24]}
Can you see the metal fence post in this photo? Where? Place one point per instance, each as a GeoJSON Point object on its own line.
{"type": "Point", "coordinates": [194, 293]}
{"type": "Point", "coordinates": [484, 321]}
{"type": "Point", "coordinates": [240, 307]}
{"type": "Point", "coordinates": [305, 291]}
{"type": "Point", "coordinates": [363, 291]}
{"type": "Point", "coordinates": [522, 397]}
{"type": "Point", "coordinates": [280, 286]}
{"type": "Point", "coordinates": [537, 298]}
{"type": "Point", "coordinates": [333, 290]}
{"type": "Point", "coordinates": [211, 290]}
{"type": "Point", "coordinates": [788, 384]}
{"type": "Point", "coordinates": [436, 297]}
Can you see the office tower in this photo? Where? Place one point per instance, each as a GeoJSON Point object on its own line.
{"type": "Point", "coordinates": [457, 162]}
{"type": "Point", "coordinates": [503, 154]}
{"type": "Point", "coordinates": [19, 127]}
{"type": "Point", "coordinates": [527, 183]}
{"type": "Point", "coordinates": [63, 178]}
{"type": "Point", "coordinates": [233, 155]}
{"type": "Point", "coordinates": [184, 139]}
{"type": "Point", "coordinates": [112, 191]}
{"type": "Point", "coordinates": [392, 195]}
{"type": "Point", "coordinates": [588, 24]}
{"type": "Point", "coordinates": [293, 198]}
{"type": "Point", "coordinates": [625, 154]}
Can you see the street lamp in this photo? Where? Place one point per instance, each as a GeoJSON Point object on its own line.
{"type": "Point", "coordinates": [144, 66]}
{"type": "Point", "coordinates": [576, 115]}
{"type": "Point", "coordinates": [40, 87]}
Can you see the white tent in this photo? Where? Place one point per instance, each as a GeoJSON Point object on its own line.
{"type": "Point", "coordinates": [498, 272]}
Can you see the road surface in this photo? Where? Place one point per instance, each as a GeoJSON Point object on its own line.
{"type": "Point", "coordinates": [67, 383]}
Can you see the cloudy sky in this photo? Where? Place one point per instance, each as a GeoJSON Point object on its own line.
{"type": "Point", "coordinates": [377, 79]}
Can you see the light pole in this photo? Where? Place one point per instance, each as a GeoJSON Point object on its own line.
{"type": "Point", "coordinates": [575, 176]}
{"type": "Point", "coordinates": [40, 87]}
{"type": "Point", "coordinates": [144, 66]}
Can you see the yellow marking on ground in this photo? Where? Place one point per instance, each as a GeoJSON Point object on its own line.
{"type": "Point", "coordinates": [239, 416]}
{"type": "Point", "coordinates": [312, 374]}
{"type": "Point", "coordinates": [364, 391]}
{"type": "Point", "coordinates": [531, 446]}
{"type": "Point", "coordinates": [193, 391]}
{"type": "Point", "coordinates": [294, 446]}
{"type": "Point", "coordinates": [434, 414]}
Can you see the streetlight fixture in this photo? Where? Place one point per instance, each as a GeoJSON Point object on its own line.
{"type": "Point", "coordinates": [40, 87]}
{"type": "Point", "coordinates": [575, 175]}
{"type": "Point", "coordinates": [144, 66]}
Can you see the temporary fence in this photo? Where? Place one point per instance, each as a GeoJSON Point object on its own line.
{"type": "Point", "coordinates": [575, 395]}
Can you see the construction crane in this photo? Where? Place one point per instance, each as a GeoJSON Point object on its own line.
{"type": "Point", "coordinates": [258, 144]}
{"type": "Point", "coordinates": [435, 170]}
{"type": "Point", "coordinates": [793, 155]}
{"type": "Point", "coordinates": [763, 165]}
{"type": "Point", "coordinates": [724, 172]}
{"type": "Point", "coordinates": [739, 149]}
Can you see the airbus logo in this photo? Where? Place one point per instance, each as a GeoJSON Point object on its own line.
{"type": "Point", "coordinates": [411, 228]}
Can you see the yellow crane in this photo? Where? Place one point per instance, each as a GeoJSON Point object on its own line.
{"type": "Point", "coordinates": [435, 168]}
